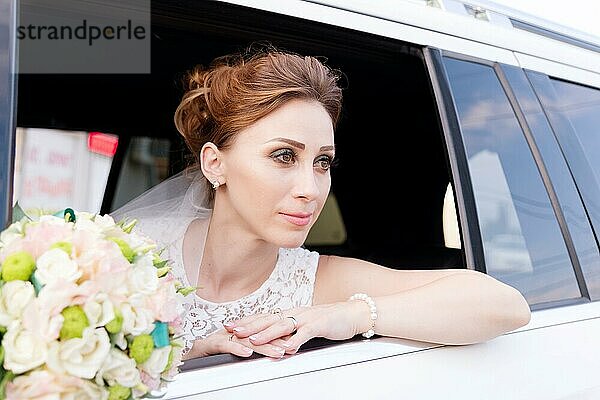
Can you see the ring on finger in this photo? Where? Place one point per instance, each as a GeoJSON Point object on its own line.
{"type": "Point", "coordinates": [295, 322]}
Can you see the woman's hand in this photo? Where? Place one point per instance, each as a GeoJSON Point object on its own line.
{"type": "Point", "coordinates": [336, 321]}
{"type": "Point", "coordinates": [222, 342]}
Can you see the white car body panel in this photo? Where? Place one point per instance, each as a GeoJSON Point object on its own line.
{"type": "Point", "coordinates": [342, 371]}
{"type": "Point", "coordinates": [447, 30]}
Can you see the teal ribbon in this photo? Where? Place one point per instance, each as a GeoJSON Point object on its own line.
{"type": "Point", "coordinates": [160, 334]}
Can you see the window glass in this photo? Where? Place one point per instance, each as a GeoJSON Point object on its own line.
{"type": "Point", "coordinates": [574, 213]}
{"type": "Point", "coordinates": [146, 164]}
{"type": "Point", "coordinates": [574, 113]}
{"type": "Point", "coordinates": [522, 242]}
{"type": "Point", "coordinates": [55, 169]}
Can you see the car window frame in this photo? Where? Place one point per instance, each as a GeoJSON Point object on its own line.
{"type": "Point", "coordinates": [8, 105]}
{"type": "Point", "coordinates": [570, 177]}
{"type": "Point", "coordinates": [465, 194]}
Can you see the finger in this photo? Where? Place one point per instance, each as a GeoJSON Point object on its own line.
{"type": "Point", "coordinates": [303, 335]}
{"type": "Point", "coordinates": [268, 349]}
{"type": "Point", "coordinates": [282, 328]}
{"type": "Point", "coordinates": [239, 349]}
{"type": "Point", "coordinates": [229, 325]}
{"type": "Point", "coordinates": [255, 326]}
{"type": "Point", "coordinates": [226, 343]}
{"type": "Point", "coordinates": [281, 342]}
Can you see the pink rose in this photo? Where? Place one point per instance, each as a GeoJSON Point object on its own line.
{"type": "Point", "coordinates": [39, 236]}
{"type": "Point", "coordinates": [163, 303]}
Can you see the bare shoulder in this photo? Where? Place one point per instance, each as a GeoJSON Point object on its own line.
{"type": "Point", "coordinates": [338, 278]}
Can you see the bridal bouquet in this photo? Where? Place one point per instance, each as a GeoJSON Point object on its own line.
{"type": "Point", "coordinates": [88, 310]}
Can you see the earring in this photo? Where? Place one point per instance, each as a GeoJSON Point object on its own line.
{"type": "Point", "coordinates": [215, 184]}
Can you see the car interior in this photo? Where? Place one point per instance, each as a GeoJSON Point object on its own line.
{"type": "Point", "coordinates": [392, 178]}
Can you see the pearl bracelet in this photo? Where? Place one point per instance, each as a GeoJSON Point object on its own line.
{"type": "Point", "coordinates": [371, 303]}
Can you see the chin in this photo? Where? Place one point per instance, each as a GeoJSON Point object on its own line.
{"type": "Point", "coordinates": [290, 240]}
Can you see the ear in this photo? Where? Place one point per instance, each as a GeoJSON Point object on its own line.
{"type": "Point", "coordinates": [211, 162]}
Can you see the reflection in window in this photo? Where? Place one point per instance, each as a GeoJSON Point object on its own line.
{"type": "Point", "coordinates": [146, 164]}
{"type": "Point", "coordinates": [574, 112]}
{"type": "Point", "coordinates": [522, 242]}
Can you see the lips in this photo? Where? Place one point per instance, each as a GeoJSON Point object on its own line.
{"type": "Point", "coordinates": [299, 219]}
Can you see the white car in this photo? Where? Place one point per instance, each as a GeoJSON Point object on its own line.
{"type": "Point", "coordinates": [478, 123]}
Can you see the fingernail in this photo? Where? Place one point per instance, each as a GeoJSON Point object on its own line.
{"type": "Point", "coordinates": [253, 337]}
{"type": "Point", "coordinates": [286, 345]}
{"type": "Point", "coordinates": [238, 329]}
{"type": "Point", "coordinates": [228, 324]}
{"type": "Point", "coordinates": [248, 350]}
{"type": "Point", "coordinates": [278, 349]}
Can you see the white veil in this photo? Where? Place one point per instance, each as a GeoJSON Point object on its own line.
{"type": "Point", "coordinates": [185, 194]}
{"type": "Point", "coordinates": [164, 211]}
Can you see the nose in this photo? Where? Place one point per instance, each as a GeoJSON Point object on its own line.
{"type": "Point", "coordinates": [306, 184]}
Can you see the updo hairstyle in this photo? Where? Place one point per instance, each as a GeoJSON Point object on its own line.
{"type": "Point", "coordinates": [237, 90]}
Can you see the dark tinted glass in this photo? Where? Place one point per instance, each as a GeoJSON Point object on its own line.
{"type": "Point", "coordinates": [522, 242]}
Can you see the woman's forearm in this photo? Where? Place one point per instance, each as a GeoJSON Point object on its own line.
{"type": "Point", "coordinates": [458, 309]}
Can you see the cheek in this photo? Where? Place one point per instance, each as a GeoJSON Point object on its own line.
{"type": "Point", "coordinates": [257, 187]}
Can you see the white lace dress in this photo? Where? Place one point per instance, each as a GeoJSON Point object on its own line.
{"type": "Point", "coordinates": [291, 284]}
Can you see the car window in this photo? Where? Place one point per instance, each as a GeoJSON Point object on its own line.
{"type": "Point", "coordinates": [146, 164]}
{"type": "Point", "coordinates": [578, 227]}
{"type": "Point", "coordinates": [522, 242]}
{"type": "Point", "coordinates": [574, 113]}
{"type": "Point", "coordinates": [55, 169]}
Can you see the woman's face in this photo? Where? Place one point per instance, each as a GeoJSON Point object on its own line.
{"type": "Point", "coordinates": [277, 172]}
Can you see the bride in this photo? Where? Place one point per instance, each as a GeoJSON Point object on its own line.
{"type": "Point", "coordinates": [262, 129]}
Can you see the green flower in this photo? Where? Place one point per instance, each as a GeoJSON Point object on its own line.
{"type": "Point", "coordinates": [74, 324]}
{"type": "Point", "coordinates": [64, 246]}
{"type": "Point", "coordinates": [118, 392]}
{"type": "Point", "coordinates": [141, 348]}
{"type": "Point", "coordinates": [115, 325]}
{"type": "Point", "coordinates": [127, 251]}
{"type": "Point", "coordinates": [18, 266]}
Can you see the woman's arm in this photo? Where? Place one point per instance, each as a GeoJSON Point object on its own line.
{"type": "Point", "coordinates": [454, 307]}
{"type": "Point", "coordinates": [439, 306]}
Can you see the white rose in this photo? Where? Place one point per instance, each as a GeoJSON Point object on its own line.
{"type": "Point", "coordinates": [137, 318]}
{"type": "Point", "coordinates": [157, 362]}
{"type": "Point", "coordinates": [56, 265]}
{"type": "Point", "coordinates": [119, 368]}
{"type": "Point", "coordinates": [23, 350]}
{"type": "Point", "coordinates": [81, 357]}
{"type": "Point", "coordinates": [85, 224]}
{"type": "Point", "coordinates": [118, 339]}
{"type": "Point", "coordinates": [14, 231]}
{"type": "Point", "coordinates": [86, 391]}
{"type": "Point", "coordinates": [52, 220]}
{"type": "Point", "coordinates": [142, 277]}
{"type": "Point", "coordinates": [99, 310]}
{"type": "Point", "coordinates": [14, 297]}
{"type": "Point", "coordinates": [104, 221]}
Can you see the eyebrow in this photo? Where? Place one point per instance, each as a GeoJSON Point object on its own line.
{"type": "Point", "coordinates": [299, 145]}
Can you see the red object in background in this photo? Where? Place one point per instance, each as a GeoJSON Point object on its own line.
{"type": "Point", "coordinates": [103, 143]}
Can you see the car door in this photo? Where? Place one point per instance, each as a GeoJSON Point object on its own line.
{"type": "Point", "coordinates": [8, 83]}
{"type": "Point", "coordinates": [527, 225]}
